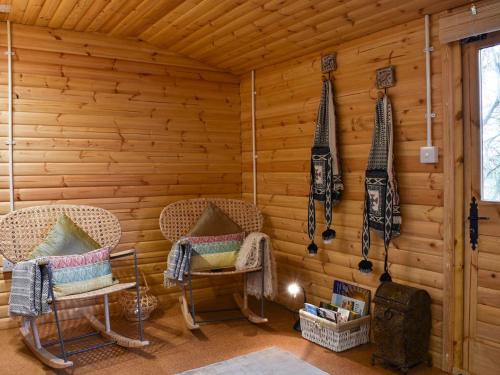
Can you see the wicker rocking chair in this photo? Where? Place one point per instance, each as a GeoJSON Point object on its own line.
{"type": "Point", "coordinates": [177, 219]}
{"type": "Point", "coordinates": [23, 229]}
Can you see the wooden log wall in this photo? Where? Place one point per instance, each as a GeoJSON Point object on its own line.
{"type": "Point", "coordinates": [120, 125]}
{"type": "Point", "coordinates": [287, 101]}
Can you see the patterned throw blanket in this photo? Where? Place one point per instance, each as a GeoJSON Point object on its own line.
{"type": "Point", "coordinates": [381, 207]}
{"type": "Point", "coordinates": [30, 289]}
{"type": "Point", "coordinates": [177, 263]}
{"type": "Point", "coordinates": [249, 256]}
{"type": "Point", "coordinates": [326, 179]}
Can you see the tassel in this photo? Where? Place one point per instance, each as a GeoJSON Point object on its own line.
{"type": "Point", "coordinates": [328, 235]}
{"type": "Point", "coordinates": [385, 277]}
{"type": "Point", "coordinates": [365, 266]}
{"type": "Point", "coordinates": [312, 248]}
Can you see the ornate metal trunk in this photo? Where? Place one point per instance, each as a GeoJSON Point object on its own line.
{"type": "Point", "coordinates": [402, 326]}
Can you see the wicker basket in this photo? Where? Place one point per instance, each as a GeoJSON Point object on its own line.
{"type": "Point", "coordinates": [128, 301]}
{"type": "Point", "coordinates": [336, 337]}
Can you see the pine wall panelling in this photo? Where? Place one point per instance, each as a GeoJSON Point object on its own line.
{"type": "Point", "coordinates": [120, 125]}
{"type": "Point", "coordinates": [287, 101]}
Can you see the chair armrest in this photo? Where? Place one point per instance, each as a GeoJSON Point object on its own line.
{"type": "Point", "coordinates": [121, 254]}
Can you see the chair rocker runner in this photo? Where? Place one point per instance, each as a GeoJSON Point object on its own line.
{"type": "Point", "coordinates": [177, 219]}
{"type": "Point", "coordinates": [23, 229]}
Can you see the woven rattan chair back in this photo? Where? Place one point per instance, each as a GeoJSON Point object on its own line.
{"type": "Point", "coordinates": [177, 218]}
{"type": "Point", "coordinates": [22, 230]}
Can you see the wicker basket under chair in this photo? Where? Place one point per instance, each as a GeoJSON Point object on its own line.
{"type": "Point", "coordinates": [128, 302]}
{"type": "Point", "coordinates": [336, 337]}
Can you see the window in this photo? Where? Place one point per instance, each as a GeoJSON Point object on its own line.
{"type": "Point", "coordinates": [489, 71]}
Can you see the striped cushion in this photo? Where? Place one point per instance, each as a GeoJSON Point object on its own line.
{"type": "Point", "coordinates": [74, 274]}
{"type": "Point", "coordinates": [213, 252]}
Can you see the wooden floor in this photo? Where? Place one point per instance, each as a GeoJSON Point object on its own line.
{"type": "Point", "coordinates": [174, 349]}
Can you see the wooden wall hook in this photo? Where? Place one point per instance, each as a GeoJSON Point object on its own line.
{"type": "Point", "coordinates": [385, 77]}
{"type": "Point", "coordinates": [329, 63]}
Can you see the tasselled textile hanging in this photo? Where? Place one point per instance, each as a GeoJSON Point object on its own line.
{"type": "Point", "coordinates": [326, 178]}
{"type": "Point", "coordinates": [381, 203]}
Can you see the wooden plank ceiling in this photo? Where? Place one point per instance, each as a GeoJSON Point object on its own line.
{"type": "Point", "coordinates": [235, 35]}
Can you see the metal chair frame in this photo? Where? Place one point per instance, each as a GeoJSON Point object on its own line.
{"type": "Point", "coordinates": [206, 321]}
{"type": "Point", "coordinates": [61, 340]}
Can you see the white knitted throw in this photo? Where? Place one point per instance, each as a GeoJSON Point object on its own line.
{"type": "Point", "coordinates": [249, 257]}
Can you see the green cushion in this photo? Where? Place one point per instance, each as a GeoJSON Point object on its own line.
{"type": "Point", "coordinates": [214, 222]}
{"type": "Point", "coordinates": [65, 238]}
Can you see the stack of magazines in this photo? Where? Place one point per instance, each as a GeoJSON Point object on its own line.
{"type": "Point", "coordinates": [348, 302]}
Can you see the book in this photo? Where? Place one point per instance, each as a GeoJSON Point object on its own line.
{"type": "Point", "coordinates": [327, 314]}
{"type": "Point", "coordinates": [311, 309]}
{"type": "Point", "coordinates": [349, 303]}
{"type": "Point", "coordinates": [343, 315]}
{"type": "Point", "coordinates": [353, 291]}
{"type": "Point", "coordinates": [328, 306]}
{"type": "Point", "coordinates": [354, 316]}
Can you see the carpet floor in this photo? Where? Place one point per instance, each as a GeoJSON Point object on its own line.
{"type": "Point", "coordinates": [175, 349]}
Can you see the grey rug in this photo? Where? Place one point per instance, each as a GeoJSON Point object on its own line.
{"type": "Point", "coordinates": [272, 361]}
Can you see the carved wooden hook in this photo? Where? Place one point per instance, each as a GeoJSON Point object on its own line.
{"type": "Point", "coordinates": [381, 94]}
{"type": "Point", "coordinates": [385, 78]}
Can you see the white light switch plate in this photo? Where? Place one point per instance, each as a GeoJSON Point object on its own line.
{"type": "Point", "coordinates": [7, 266]}
{"type": "Point", "coordinates": [429, 155]}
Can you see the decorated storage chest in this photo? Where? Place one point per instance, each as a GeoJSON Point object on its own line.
{"type": "Point", "coordinates": [401, 326]}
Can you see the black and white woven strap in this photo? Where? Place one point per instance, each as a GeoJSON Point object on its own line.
{"type": "Point", "coordinates": [322, 131]}
{"type": "Point", "coordinates": [388, 224]}
{"type": "Point", "coordinates": [329, 192]}
{"type": "Point", "coordinates": [388, 215]}
{"type": "Point", "coordinates": [311, 210]}
{"type": "Point", "coordinates": [365, 235]}
{"type": "Point", "coordinates": [311, 217]}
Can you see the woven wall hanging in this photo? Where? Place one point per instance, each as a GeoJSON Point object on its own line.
{"type": "Point", "coordinates": [381, 204]}
{"type": "Point", "coordinates": [326, 178]}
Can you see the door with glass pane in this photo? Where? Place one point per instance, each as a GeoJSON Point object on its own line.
{"type": "Point", "coordinates": [481, 73]}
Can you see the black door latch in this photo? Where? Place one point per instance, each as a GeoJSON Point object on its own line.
{"type": "Point", "coordinates": [473, 223]}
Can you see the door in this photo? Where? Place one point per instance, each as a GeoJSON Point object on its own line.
{"type": "Point", "coordinates": [481, 85]}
